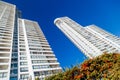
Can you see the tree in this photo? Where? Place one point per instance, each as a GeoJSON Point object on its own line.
{"type": "Point", "coordinates": [105, 67]}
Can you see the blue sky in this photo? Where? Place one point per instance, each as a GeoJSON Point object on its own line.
{"type": "Point", "coordinates": [103, 13]}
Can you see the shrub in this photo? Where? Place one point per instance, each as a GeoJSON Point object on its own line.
{"type": "Point", "coordinates": [105, 67]}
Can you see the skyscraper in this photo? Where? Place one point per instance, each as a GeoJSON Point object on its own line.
{"type": "Point", "coordinates": [24, 51]}
{"type": "Point", "coordinates": [91, 40]}
{"type": "Point", "coordinates": [35, 55]}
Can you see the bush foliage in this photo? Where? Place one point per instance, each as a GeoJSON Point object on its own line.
{"type": "Point", "coordinates": [104, 67]}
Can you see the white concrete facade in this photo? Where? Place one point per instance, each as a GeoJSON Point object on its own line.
{"type": "Point", "coordinates": [24, 51]}
{"type": "Point", "coordinates": [91, 40]}
{"type": "Point", "coordinates": [36, 58]}
{"type": "Point", "coordinates": [7, 17]}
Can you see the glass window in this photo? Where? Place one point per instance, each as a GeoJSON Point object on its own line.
{"type": "Point", "coordinates": [24, 76]}
{"type": "Point", "coordinates": [23, 63]}
{"type": "Point", "coordinates": [25, 69]}
{"type": "Point", "coordinates": [3, 74]}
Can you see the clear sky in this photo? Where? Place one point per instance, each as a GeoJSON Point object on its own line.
{"type": "Point", "coordinates": [103, 13]}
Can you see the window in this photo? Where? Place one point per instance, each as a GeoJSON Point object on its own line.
{"type": "Point", "coordinates": [40, 66]}
{"type": "Point", "coordinates": [39, 61]}
{"type": "Point", "coordinates": [22, 53]}
{"type": "Point", "coordinates": [14, 65]}
{"type": "Point", "coordinates": [23, 58]}
{"type": "Point", "coordinates": [14, 71]}
{"type": "Point", "coordinates": [24, 76]}
{"type": "Point", "coordinates": [22, 49]}
{"type": "Point", "coordinates": [3, 74]}
{"type": "Point", "coordinates": [25, 69]}
{"type": "Point", "coordinates": [23, 63]}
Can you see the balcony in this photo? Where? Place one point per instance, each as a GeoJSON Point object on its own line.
{"type": "Point", "coordinates": [4, 55]}
{"type": "Point", "coordinates": [44, 59]}
{"type": "Point", "coordinates": [3, 66]}
{"type": "Point", "coordinates": [4, 50]}
{"type": "Point", "coordinates": [56, 63]}
{"type": "Point", "coordinates": [48, 69]}
{"type": "Point", "coordinates": [4, 60]}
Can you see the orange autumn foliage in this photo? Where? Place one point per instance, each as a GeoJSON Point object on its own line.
{"type": "Point", "coordinates": [102, 67]}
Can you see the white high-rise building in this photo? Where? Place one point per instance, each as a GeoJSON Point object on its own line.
{"type": "Point", "coordinates": [91, 40]}
{"type": "Point", "coordinates": [36, 58]}
{"type": "Point", "coordinates": [7, 40]}
{"type": "Point", "coordinates": [24, 51]}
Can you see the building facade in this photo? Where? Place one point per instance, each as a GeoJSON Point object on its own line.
{"type": "Point", "coordinates": [91, 40]}
{"type": "Point", "coordinates": [24, 51]}
{"type": "Point", "coordinates": [36, 58]}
